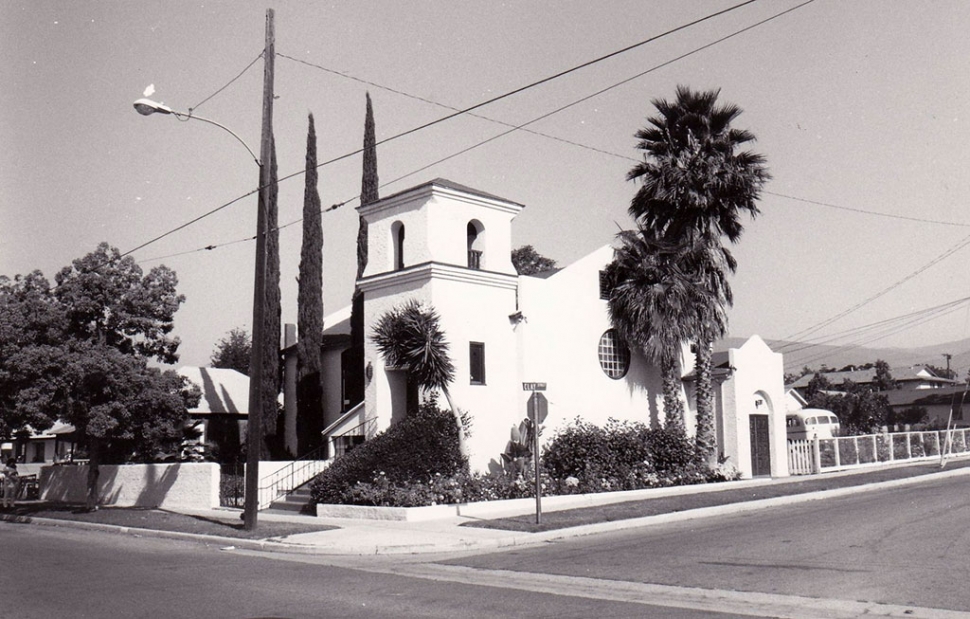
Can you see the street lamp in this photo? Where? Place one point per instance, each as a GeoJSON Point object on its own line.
{"type": "Point", "coordinates": [147, 107]}
{"type": "Point", "coordinates": [254, 431]}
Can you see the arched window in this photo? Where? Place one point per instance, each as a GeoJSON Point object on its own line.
{"type": "Point", "coordinates": [397, 239]}
{"type": "Point", "coordinates": [476, 244]}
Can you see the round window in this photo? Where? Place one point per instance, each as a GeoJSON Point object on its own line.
{"type": "Point", "coordinates": [614, 355]}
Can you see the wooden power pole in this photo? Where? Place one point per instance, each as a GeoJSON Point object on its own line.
{"type": "Point", "coordinates": [254, 425]}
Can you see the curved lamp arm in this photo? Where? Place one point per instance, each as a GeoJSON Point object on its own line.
{"type": "Point", "coordinates": [147, 107]}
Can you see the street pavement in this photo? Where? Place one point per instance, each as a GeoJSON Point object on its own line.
{"type": "Point", "coordinates": [444, 535]}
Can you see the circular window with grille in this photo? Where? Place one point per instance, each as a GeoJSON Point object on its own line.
{"type": "Point", "coordinates": [614, 355]}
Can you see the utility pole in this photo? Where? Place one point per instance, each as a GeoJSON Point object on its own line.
{"type": "Point", "coordinates": [948, 357]}
{"type": "Point", "coordinates": [254, 425]}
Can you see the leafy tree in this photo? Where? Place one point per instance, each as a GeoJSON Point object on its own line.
{"type": "Point", "coordinates": [234, 351]}
{"type": "Point", "coordinates": [913, 415]}
{"type": "Point", "coordinates": [860, 410]}
{"type": "Point", "coordinates": [818, 384]}
{"type": "Point", "coordinates": [79, 352]}
{"type": "Point", "coordinates": [941, 372]}
{"type": "Point", "coordinates": [883, 379]}
{"type": "Point", "coordinates": [527, 261]}
{"type": "Point", "coordinates": [410, 337]}
{"type": "Point", "coordinates": [695, 186]}
{"type": "Point", "coordinates": [310, 309]}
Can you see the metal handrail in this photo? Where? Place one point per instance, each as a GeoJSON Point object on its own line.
{"type": "Point", "coordinates": [289, 478]}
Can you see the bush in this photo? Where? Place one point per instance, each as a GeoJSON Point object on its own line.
{"type": "Point", "coordinates": [622, 456]}
{"type": "Point", "coordinates": [420, 447]}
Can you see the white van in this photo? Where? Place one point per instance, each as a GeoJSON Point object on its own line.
{"type": "Point", "coordinates": [810, 423]}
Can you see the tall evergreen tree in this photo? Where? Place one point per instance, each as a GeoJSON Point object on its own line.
{"type": "Point", "coordinates": [272, 317]}
{"type": "Point", "coordinates": [354, 359]}
{"type": "Point", "coordinates": [309, 417]}
{"type": "Point", "coordinates": [368, 184]}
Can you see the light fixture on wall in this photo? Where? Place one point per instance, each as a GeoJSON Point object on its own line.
{"type": "Point", "coordinates": [369, 371]}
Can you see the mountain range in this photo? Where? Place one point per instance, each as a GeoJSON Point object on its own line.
{"type": "Point", "coordinates": [816, 356]}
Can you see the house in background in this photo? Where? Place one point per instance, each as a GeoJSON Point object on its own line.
{"type": "Point", "coordinates": [33, 449]}
{"type": "Point", "coordinates": [220, 417]}
{"type": "Point", "coordinates": [908, 378]}
{"type": "Point", "coordinates": [449, 247]}
{"type": "Point", "coordinates": [938, 403]}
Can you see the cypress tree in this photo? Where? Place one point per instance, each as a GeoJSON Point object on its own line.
{"type": "Point", "coordinates": [354, 360]}
{"type": "Point", "coordinates": [271, 325]}
{"type": "Point", "coordinates": [309, 417]}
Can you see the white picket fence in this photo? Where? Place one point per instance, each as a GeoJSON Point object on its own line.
{"type": "Point", "coordinates": [806, 457]}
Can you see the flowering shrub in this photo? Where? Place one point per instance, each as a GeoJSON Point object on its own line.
{"type": "Point", "coordinates": [422, 446]}
{"type": "Point", "coordinates": [580, 459]}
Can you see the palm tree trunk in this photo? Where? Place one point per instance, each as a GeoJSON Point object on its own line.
{"type": "Point", "coordinates": [673, 405]}
{"type": "Point", "coordinates": [705, 441]}
{"type": "Point", "coordinates": [462, 445]}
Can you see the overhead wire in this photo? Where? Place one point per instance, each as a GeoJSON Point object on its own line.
{"type": "Point", "coordinates": [547, 114]}
{"type": "Point", "coordinates": [867, 212]}
{"type": "Point", "coordinates": [228, 84]}
{"type": "Point", "coordinates": [481, 104]}
{"type": "Point", "coordinates": [821, 325]}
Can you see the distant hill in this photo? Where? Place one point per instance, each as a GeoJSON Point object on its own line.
{"type": "Point", "coordinates": [798, 355]}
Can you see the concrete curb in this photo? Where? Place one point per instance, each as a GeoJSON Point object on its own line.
{"type": "Point", "coordinates": [439, 543]}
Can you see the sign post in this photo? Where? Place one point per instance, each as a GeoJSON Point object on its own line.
{"type": "Point", "coordinates": [537, 409]}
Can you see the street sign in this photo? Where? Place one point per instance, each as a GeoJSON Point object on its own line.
{"type": "Point", "coordinates": [533, 386]}
{"type": "Point", "coordinates": [538, 408]}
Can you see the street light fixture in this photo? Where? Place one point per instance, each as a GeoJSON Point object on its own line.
{"type": "Point", "coordinates": [147, 107]}
{"type": "Point", "coordinates": [254, 432]}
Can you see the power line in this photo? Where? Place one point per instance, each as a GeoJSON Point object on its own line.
{"type": "Point", "coordinates": [229, 83]}
{"type": "Point", "coordinates": [470, 109]}
{"type": "Point", "coordinates": [804, 332]}
{"type": "Point", "coordinates": [865, 212]}
{"type": "Point", "coordinates": [534, 120]}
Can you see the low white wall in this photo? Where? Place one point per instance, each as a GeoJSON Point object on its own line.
{"type": "Point", "coordinates": [178, 485]}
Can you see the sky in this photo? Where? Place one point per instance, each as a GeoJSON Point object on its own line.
{"type": "Point", "coordinates": [862, 110]}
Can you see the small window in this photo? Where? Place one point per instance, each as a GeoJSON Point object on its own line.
{"type": "Point", "coordinates": [397, 238]}
{"type": "Point", "coordinates": [476, 362]}
{"type": "Point", "coordinates": [475, 235]}
{"type": "Point", "coordinates": [614, 355]}
{"type": "Point", "coordinates": [606, 286]}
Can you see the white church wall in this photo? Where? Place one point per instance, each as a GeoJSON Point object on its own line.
{"type": "Point", "coordinates": [564, 319]}
{"type": "Point", "coordinates": [480, 313]}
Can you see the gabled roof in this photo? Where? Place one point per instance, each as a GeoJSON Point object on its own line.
{"type": "Point", "coordinates": [223, 390]}
{"type": "Point", "coordinates": [905, 374]}
{"type": "Point", "coordinates": [928, 397]}
{"type": "Point", "coordinates": [447, 184]}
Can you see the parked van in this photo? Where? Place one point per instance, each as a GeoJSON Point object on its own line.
{"type": "Point", "coordinates": [811, 423]}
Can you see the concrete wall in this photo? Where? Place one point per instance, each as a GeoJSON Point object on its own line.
{"type": "Point", "coordinates": [755, 387]}
{"type": "Point", "coordinates": [179, 485]}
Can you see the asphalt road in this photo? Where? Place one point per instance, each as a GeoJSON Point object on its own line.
{"type": "Point", "coordinates": [904, 546]}
{"type": "Point", "coordinates": [900, 551]}
{"type": "Point", "coordinates": [47, 573]}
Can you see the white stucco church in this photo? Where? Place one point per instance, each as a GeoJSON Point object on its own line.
{"type": "Point", "coordinates": [449, 246]}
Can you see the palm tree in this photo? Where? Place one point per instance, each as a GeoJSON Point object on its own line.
{"type": "Point", "coordinates": [696, 184]}
{"type": "Point", "coordinates": [649, 298]}
{"type": "Point", "coordinates": [410, 337]}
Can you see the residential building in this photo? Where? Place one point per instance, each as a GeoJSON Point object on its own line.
{"type": "Point", "coordinates": [448, 246]}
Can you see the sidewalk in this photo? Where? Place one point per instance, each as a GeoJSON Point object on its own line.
{"type": "Point", "coordinates": [457, 533]}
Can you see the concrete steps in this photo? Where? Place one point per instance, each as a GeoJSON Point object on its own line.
{"type": "Point", "coordinates": [297, 502]}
